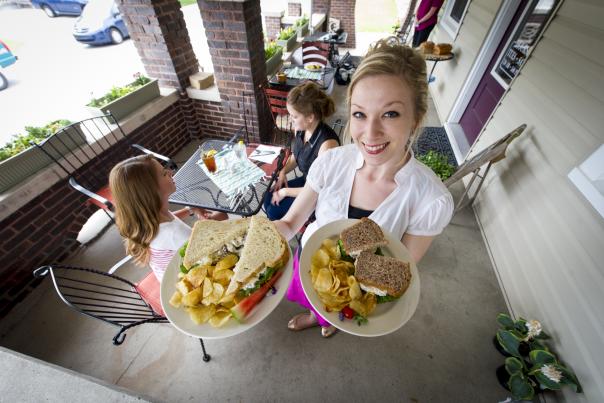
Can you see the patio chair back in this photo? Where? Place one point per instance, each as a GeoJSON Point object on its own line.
{"type": "Point", "coordinates": [107, 297]}
{"type": "Point", "coordinates": [86, 151]}
{"type": "Point", "coordinates": [315, 52]}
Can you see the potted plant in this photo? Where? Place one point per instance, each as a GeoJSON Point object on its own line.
{"type": "Point", "coordinates": [287, 38]}
{"type": "Point", "coordinates": [301, 26]}
{"type": "Point", "coordinates": [530, 367]}
{"type": "Point", "coordinates": [273, 54]}
{"type": "Point", "coordinates": [438, 163]}
{"type": "Point", "coordinates": [19, 159]}
{"type": "Point", "coordinates": [122, 101]}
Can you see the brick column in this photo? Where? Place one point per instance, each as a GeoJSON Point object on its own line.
{"type": "Point", "coordinates": [236, 42]}
{"type": "Point", "coordinates": [272, 21]}
{"type": "Point", "coordinates": [343, 10]}
{"type": "Point", "coordinates": [161, 39]}
{"type": "Point", "coordinates": [321, 7]}
{"type": "Point", "coordinates": [294, 9]}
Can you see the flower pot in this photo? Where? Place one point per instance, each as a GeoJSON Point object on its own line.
{"type": "Point", "coordinates": [288, 44]}
{"type": "Point", "coordinates": [302, 31]}
{"type": "Point", "coordinates": [272, 64]}
{"type": "Point", "coordinates": [19, 167]}
{"type": "Point", "coordinates": [122, 107]}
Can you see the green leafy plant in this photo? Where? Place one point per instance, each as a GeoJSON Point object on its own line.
{"type": "Point", "coordinates": [118, 92]}
{"type": "Point", "coordinates": [396, 26]}
{"type": "Point", "coordinates": [438, 163]}
{"type": "Point", "coordinates": [21, 142]}
{"type": "Point", "coordinates": [271, 49]}
{"type": "Point", "coordinates": [300, 22]}
{"type": "Point", "coordinates": [533, 368]}
{"type": "Point", "coordinates": [286, 33]}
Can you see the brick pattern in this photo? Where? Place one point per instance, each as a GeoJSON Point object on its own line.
{"type": "Point", "coordinates": [45, 230]}
{"type": "Point", "coordinates": [321, 7]}
{"type": "Point", "coordinates": [236, 42]}
{"type": "Point", "coordinates": [161, 39]}
{"type": "Point", "coordinates": [294, 9]}
{"type": "Point", "coordinates": [273, 26]}
{"type": "Point", "coordinates": [343, 10]}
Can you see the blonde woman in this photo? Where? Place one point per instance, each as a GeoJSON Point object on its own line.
{"type": "Point", "coordinates": [377, 176]}
{"type": "Point", "coordinates": [140, 187]}
{"type": "Point", "coordinates": [308, 106]}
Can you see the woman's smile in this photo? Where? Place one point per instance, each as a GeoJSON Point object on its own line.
{"type": "Point", "coordinates": [374, 149]}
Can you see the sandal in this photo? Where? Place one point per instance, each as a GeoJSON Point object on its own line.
{"type": "Point", "coordinates": [328, 331]}
{"type": "Point", "coordinates": [302, 321]}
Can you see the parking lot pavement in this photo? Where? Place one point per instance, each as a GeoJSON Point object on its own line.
{"type": "Point", "coordinates": [55, 75]}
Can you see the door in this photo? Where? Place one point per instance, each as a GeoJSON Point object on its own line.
{"type": "Point", "coordinates": [519, 39]}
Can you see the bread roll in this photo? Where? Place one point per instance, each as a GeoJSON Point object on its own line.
{"type": "Point", "coordinates": [442, 49]}
{"type": "Point", "coordinates": [427, 47]}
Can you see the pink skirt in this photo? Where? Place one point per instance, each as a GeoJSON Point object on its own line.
{"type": "Point", "coordinates": [295, 292]}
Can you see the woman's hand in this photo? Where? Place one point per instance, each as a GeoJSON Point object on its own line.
{"type": "Point", "coordinates": [279, 195]}
{"type": "Point", "coordinates": [203, 214]}
{"type": "Point", "coordinates": [281, 181]}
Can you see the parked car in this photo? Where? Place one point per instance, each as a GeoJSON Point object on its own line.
{"type": "Point", "coordinates": [100, 23]}
{"type": "Point", "coordinates": [52, 8]}
{"type": "Point", "coordinates": [6, 59]}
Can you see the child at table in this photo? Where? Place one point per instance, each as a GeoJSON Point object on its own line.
{"type": "Point", "coordinates": [308, 106]}
{"type": "Point", "coordinates": [140, 187]}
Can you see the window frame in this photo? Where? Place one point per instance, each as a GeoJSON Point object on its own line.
{"type": "Point", "coordinates": [449, 25]}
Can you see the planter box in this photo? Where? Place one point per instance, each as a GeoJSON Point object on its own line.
{"type": "Point", "coordinates": [272, 64]}
{"type": "Point", "coordinates": [302, 31]}
{"type": "Point", "coordinates": [28, 162]}
{"type": "Point", "coordinates": [122, 107]}
{"type": "Point", "coordinates": [288, 44]}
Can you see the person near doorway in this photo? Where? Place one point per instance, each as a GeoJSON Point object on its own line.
{"type": "Point", "coordinates": [425, 20]}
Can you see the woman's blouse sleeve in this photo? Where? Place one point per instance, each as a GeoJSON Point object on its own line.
{"type": "Point", "coordinates": [317, 174]}
{"type": "Point", "coordinates": [432, 220]}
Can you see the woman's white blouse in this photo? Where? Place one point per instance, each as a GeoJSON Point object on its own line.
{"type": "Point", "coordinates": [419, 205]}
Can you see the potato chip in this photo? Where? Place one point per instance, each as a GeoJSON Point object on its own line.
{"type": "Point", "coordinates": [320, 258]}
{"type": "Point", "coordinates": [196, 275]}
{"type": "Point", "coordinates": [314, 271]}
{"type": "Point", "coordinates": [324, 280]}
{"type": "Point", "coordinates": [355, 290]}
{"type": "Point", "coordinates": [184, 287]}
{"type": "Point", "coordinates": [217, 292]}
{"type": "Point", "coordinates": [227, 262]}
{"type": "Point", "coordinates": [201, 314]}
{"type": "Point", "coordinates": [176, 299]}
{"type": "Point", "coordinates": [222, 275]}
{"type": "Point", "coordinates": [328, 243]}
{"type": "Point", "coordinates": [220, 318]}
{"type": "Point", "coordinates": [207, 287]}
{"type": "Point", "coordinates": [192, 298]}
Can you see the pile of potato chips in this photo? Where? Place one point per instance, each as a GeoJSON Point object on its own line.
{"type": "Point", "coordinates": [202, 292]}
{"type": "Point", "coordinates": [334, 282]}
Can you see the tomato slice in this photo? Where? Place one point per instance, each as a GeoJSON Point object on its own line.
{"type": "Point", "coordinates": [348, 312]}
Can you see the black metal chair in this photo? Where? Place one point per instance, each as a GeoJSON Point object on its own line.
{"type": "Point", "coordinates": [88, 151]}
{"type": "Point", "coordinates": [107, 297]}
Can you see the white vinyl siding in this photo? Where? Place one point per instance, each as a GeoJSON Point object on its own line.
{"type": "Point", "coordinates": [545, 238]}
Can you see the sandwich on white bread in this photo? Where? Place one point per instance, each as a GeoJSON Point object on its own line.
{"type": "Point", "coordinates": [364, 235]}
{"type": "Point", "coordinates": [210, 240]}
{"type": "Point", "coordinates": [264, 248]}
{"type": "Point", "coordinates": [382, 275]}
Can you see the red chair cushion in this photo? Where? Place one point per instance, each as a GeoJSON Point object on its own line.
{"type": "Point", "coordinates": [104, 192]}
{"type": "Point", "coordinates": [148, 288]}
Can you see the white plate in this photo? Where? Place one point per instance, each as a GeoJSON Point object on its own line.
{"type": "Point", "coordinates": [181, 320]}
{"type": "Point", "coordinates": [387, 317]}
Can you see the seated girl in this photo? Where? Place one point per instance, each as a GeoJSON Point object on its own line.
{"type": "Point", "coordinates": [308, 106]}
{"type": "Point", "coordinates": [140, 187]}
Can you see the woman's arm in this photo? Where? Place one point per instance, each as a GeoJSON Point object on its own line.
{"type": "Point", "coordinates": [288, 167]}
{"type": "Point", "coordinates": [298, 213]}
{"type": "Point", "coordinates": [327, 144]}
{"type": "Point", "coordinates": [417, 245]}
{"type": "Point", "coordinates": [427, 16]}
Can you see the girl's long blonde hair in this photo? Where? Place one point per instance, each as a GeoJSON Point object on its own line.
{"type": "Point", "coordinates": [135, 189]}
{"type": "Point", "coordinates": [391, 57]}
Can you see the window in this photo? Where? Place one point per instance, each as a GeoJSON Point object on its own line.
{"type": "Point", "coordinates": [589, 179]}
{"type": "Point", "coordinates": [454, 13]}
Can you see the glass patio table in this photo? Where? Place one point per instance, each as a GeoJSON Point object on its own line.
{"type": "Point", "coordinates": [194, 187]}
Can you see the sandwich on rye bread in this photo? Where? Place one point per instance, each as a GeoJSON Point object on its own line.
{"type": "Point", "coordinates": [364, 235]}
{"type": "Point", "coordinates": [382, 275]}
{"type": "Point", "coordinates": [264, 253]}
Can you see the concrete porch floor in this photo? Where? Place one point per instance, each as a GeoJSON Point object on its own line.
{"type": "Point", "coordinates": [443, 354]}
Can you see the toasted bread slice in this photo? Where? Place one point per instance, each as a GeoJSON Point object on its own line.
{"type": "Point", "coordinates": [364, 235]}
{"type": "Point", "coordinates": [382, 272]}
{"type": "Point", "coordinates": [264, 247]}
{"type": "Point", "coordinates": [209, 238]}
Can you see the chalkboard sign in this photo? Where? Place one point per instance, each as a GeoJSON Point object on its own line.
{"type": "Point", "coordinates": [528, 30]}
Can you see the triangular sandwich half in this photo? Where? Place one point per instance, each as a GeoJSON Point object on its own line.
{"type": "Point", "coordinates": [364, 235]}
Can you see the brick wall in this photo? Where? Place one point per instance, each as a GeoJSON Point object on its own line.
{"type": "Point", "coordinates": [294, 9]}
{"type": "Point", "coordinates": [343, 10]}
{"type": "Point", "coordinates": [161, 38]}
{"type": "Point", "coordinates": [272, 23]}
{"type": "Point", "coordinates": [321, 7]}
{"type": "Point", "coordinates": [236, 42]}
{"type": "Point", "coordinates": [45, 229]}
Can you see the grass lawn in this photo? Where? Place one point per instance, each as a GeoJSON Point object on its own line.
{"type": "Point", "coordinates": [375, 15]}
{"type": "Point", "coordinates": [187, 2]}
